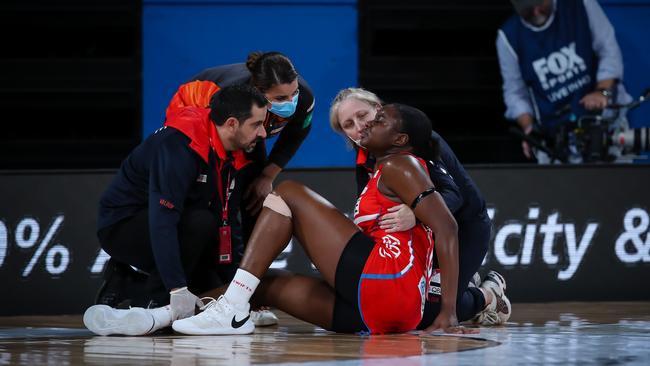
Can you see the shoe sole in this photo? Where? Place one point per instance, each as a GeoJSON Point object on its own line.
{"type": "Point", "coordinates": [265, 323]}
{"type": "Point", "coordinates": [179, 327]}
{"type": "Point", "coordinates": [265, 318]}
{"type": "Point", "coordinates": [503, 305]}
{"type": "Point", "coordinates": [104, 320]}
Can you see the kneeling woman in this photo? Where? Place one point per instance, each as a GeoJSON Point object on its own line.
{"type": "Point", "coordinates": [372, 281]}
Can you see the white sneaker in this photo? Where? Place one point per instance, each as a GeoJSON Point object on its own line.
{"type": "Point", "coordinates": [263, 318]}
{"type": "Point", "coordinates": [218, 317]}
{"type": "Point", "coordinates": [498, 311]}
{"type": "Point", "coordinates": [475, 281]}
{"type": "Point", "coordinates": [105, 320]}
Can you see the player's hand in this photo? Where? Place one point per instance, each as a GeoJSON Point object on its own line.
{"type": "Point", "coordinates": [257, 192]}
{"type": "Point", "coordinates": [398, 218]}
{"type": "Point", "coordinates": [594, 101]}
{"type": "Point", "coordinates": [448, 323]}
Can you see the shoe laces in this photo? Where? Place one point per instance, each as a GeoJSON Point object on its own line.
{"type": "Point", "coordinates": [208, 302]}
{"type": "Point", "coordinates": [215, 307]}
{"type": "Point", "coordinates": [489, 317]}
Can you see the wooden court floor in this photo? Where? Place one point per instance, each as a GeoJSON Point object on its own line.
{"type": "Point", "coordinates": [556, 333]}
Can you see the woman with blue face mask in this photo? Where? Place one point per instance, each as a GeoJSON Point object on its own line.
{"type": "Point", "coordinates": [291, 103]}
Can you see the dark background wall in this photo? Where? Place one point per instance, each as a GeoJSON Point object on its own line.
{"type": "Point", "coordinates": [70, 90]}
{"type": "Point", "coordinates": [82, 82]}
{"type": "Point", "coordinates": [441, 57]}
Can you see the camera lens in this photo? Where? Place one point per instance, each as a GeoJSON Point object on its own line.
{"type": "Point", "coordinates": [634, 139]}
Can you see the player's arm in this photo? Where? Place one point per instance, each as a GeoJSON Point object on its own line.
{"type": "Point", "coordinates": [404, 177]}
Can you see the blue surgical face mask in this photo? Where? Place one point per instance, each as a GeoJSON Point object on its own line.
{"type": "Point", "coordinates": [285, 109]}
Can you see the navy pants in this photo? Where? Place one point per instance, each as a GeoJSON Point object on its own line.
{"type": "Point", "coordinates": [128, 242]}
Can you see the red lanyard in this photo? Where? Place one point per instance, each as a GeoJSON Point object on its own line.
{"type": "Point", "coordinates": [222, 195]}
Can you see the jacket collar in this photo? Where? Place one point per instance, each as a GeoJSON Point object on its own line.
{"type": "Point", "coordinates": [362, 156]}
{"type": "Point", "coordinates": [195, 123]}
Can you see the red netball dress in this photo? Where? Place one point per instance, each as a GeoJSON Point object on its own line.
{"type": "Point", "coordinates": [393, 283]}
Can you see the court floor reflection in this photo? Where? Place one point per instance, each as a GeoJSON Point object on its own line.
{"type": "Point", "coordinates": [558, 333]}
{"type": "Point", "coordinates": [275, 347]}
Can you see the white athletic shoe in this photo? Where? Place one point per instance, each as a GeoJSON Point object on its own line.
{"type": "Point", "coordinates": [218, 317]}
{"type": "Point", "coordinates": [475, 281]}
{"type": "Point", "coordinates": [263, 318]}
{"type": "Point", "coordinates": [105, 320]}
{"type": "Point", "coordinates": [498, 311]}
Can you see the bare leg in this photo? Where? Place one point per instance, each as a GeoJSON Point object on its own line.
{"type": "Point", "coordinates": [306, 298]}
{"type": "Point", "coordinates": [322, 230]}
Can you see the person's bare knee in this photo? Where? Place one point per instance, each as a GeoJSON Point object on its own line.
{"type": "Point", "coordinates": [293, 194]}
{"type": "Point", "coordinates": [298, 196]}
{"type": "Point", "coordinates": [288, 189]}
{"type": "Point", "coordinates": [274, 202]}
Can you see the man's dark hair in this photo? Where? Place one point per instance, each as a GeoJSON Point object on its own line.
{"type": "Point", "coordinates": [235, 101]}
{"type": "Point", "coordinates": [270, 69]}
{"type": "Point", "coordinates": [417, 126]}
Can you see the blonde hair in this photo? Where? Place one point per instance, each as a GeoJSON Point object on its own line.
{"type": "Point", "coordinates": [359, 94]}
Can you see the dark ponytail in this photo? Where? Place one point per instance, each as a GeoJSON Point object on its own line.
{"type": "Point", "coordinates": [270, 69]}
{"type": "Point", "coordinates": [252, 60]}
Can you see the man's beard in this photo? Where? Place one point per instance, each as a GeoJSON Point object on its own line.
{"type": "Point", "coordinates": [250, 147]}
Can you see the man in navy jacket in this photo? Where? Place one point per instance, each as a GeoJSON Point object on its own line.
{"type": "Point", "coordinates": [171, 210]}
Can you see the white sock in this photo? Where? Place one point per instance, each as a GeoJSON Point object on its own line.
{"type": "Point", "coordinates": [241, 287]}
{"type": "Point", "coordinates": [162, 317]}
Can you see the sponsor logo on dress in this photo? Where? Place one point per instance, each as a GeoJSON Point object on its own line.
{"type": "Point", "coordinates": [390, 247]}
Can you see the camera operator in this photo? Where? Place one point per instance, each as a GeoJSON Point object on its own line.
{"type": "Point", "coordinates": [556, 55]}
